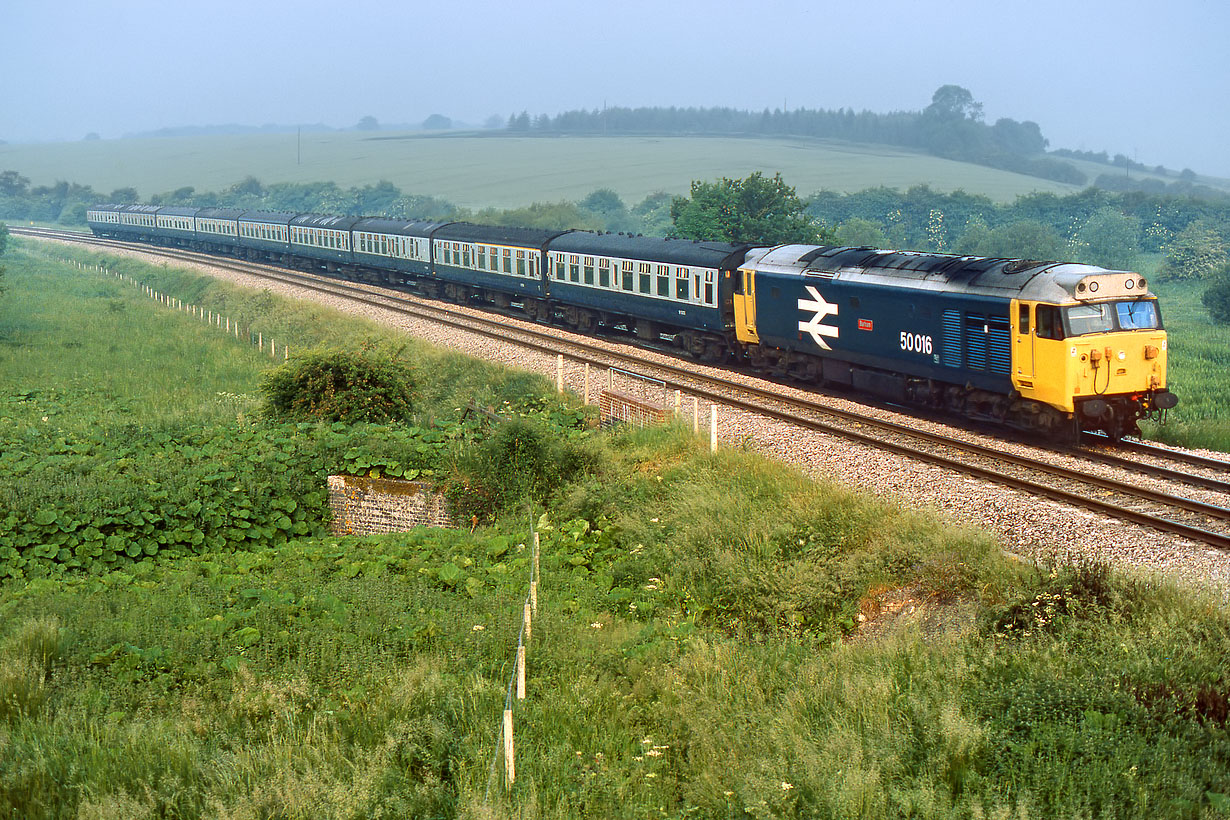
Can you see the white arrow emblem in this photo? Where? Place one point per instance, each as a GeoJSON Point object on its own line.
{"type": "Point", "coordinates": [821, 309]}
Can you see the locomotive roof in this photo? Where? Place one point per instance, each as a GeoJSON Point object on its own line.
{"type": "Point", "coordinates": [989, 276]}
{"type": "Point", "coordinates": [401, 227]}
{"type": "Point", "coordinates": [671, 251]}
{"type": "Point", "coordinates": [495, 234]}
{"type": "Point", "coordinates": [336, 223]}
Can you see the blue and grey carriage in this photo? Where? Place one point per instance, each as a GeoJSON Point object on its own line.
{"type": "Point", "coordinates": [655, 287]}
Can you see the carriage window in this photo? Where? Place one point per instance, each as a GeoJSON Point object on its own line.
{"type": "Point", "coordinates": [521, 263]}
{"type": "Point", "coordinates": [589, 270]}
{"type": "Point", "coordinates": [574, 268]}
{"type": "Point", "coordinates": [604, 273]}
{"type": "Point", "coordinates": [507, 261]}
{"type": "Point", "coordinates": [561, 268]}
{"type": "Point", "coordinates": [482, 256]}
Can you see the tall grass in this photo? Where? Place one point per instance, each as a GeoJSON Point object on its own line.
{"type": "Point", "coordinates": [1199, 361]}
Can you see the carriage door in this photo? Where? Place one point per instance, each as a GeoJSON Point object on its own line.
{"type": "Point", "coordinates": [745, 307]}
{"type": "Point", "coordinates": [1022, 340]}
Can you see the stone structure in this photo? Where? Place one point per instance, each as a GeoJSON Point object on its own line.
{"type": "Point", "coordinates": [365, 506]}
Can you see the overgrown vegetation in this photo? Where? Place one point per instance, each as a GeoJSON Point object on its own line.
{"type": "Point", "coordinates": [704, 644]}
{"type": "Point", "coordinates": [340, 385]}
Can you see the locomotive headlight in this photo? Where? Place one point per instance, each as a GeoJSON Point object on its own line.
{"type": "Point", "coordinates": [1129, 284]}
{"type": "Point", "coordinates": [1093, 287]}
{"type": "Point", "coordinates": [1122, 355]}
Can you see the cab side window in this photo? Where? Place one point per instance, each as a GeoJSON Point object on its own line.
{"type": "Point", "coordinates": [1023, 320]}
{"type": "Point", "coordinates": [1050, 326]}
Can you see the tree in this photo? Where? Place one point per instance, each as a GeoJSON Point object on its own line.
{"type": "Point", "coordinates": [607, 206]}
{"type": "Point", "coordinates": [4, 241]}
{"type": "Point", "coordinates": [952, 102]}
{"type": "Point", "coordinates": [858, 232]}
{"type": "Point", "coordinates": [755, 209]}
{"type": "Point", "coordinates": [1216, 298]}
{"type": "Point", "coordinates": [437, 122]}
{"type": "Point", "coordinates": [368, 123]}
{"type": "Point", "coordinates": [1195, 253]}
{"type": "Point", "coordinates": [1018, 137]}
{"type": "Point", "coordinates": [1026, 239]}
{"type": "Point", "coordinates": [124, 196]}
{"type": "Point", "coordinates": [1110, 239]}
{"type": "Point", "coordinates": [13, 184]}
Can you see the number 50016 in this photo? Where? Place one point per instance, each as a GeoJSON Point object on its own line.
{"type": "Point", "coordinates": [915, 342]}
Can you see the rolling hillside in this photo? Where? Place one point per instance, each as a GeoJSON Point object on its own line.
{"type": "Point", "coordinates": [483, 170]}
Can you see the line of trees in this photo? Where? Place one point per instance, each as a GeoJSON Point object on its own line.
{"type": "Point", "coordinates": [951, 126]}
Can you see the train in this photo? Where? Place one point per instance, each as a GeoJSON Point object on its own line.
{"type": "Point", "coordinates": [1053, 348]}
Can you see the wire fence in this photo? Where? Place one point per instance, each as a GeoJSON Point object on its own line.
{"type": "Point", "coordinates": [222, 322]}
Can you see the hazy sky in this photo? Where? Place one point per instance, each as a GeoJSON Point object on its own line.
{"type": "Point", "coordinates": [1146, 79]}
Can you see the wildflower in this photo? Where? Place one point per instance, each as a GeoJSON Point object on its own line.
{"type": "Point", "coordinates": [477, 628]}
{"type": "Point", "coordinates": [647, 741]}
{"type": "Point", "coordinates": [651, 774]}
{"type": "Point", "coordinates": [651, 521]}
{"type": "Point", "coordinates": [728, 794]}
{"type": "Point", "coordinates": [651, 587]}
{"type": "Point", "coordinates": [638, 759]}
{"type": "Point", "coordinates": [596, 625]}
{"type": "Point", "coordinates": [786, 786]}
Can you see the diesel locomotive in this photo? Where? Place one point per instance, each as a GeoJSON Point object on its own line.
{"type": "Point", "coordinates": [1051, 347]}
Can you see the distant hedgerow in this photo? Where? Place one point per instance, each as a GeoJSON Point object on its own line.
{"type": "Point", "coordinates": [340, 385]}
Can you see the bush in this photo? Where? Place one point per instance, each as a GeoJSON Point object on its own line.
{"type": "Point", "coordinates": [1216, 297]}
{"type": "Point", "coordinates": [340, 385]}
{"type": "Point", "coordinates": [522, 459]}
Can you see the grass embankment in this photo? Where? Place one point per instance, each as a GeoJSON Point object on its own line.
{"type": "Point", "coordinates": [1198, 370]}
{"type": "Point", "coordinates": [698, 650]}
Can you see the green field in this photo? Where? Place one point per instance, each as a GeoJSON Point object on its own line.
{"type": "Point", "coordinates": [501, 172]}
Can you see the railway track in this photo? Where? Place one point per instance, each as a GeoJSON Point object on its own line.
{"type": "Point", "coordinates": [1119, 496]}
